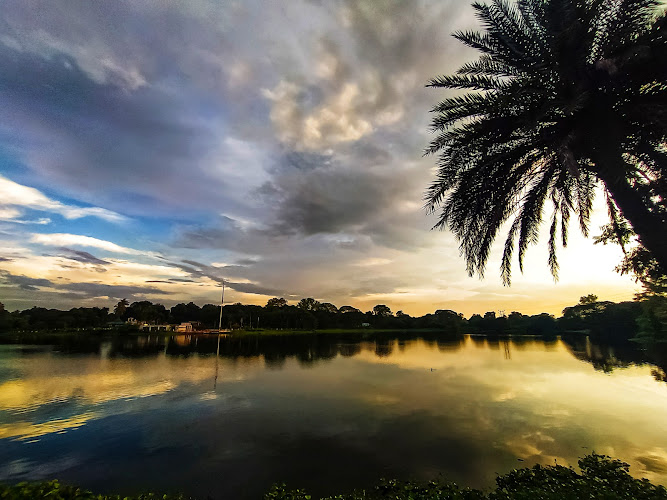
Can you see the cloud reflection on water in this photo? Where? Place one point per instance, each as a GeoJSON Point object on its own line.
{"type": "Point", "coordinates": [468, 407]}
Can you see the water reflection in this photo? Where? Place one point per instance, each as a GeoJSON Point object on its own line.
{"type": "Point", "coordinates": [325, 412]}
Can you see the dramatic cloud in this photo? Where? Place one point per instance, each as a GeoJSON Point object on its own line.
{"type": "Point", "coordinates": [24, 282]}
{"type": "Point", "coordinates": [81, 256]}
{"type": "Point", "coordinates": [80, 290]}
{"type": "Point", "coordinates": [275, 145]}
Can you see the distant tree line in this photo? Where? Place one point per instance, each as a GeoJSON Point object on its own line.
{"type": "Point", "coordinates": [609, 321]}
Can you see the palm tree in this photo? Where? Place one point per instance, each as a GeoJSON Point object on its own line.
{"type": "Point", "coordinates": [567, 95]}
{"type": "Point", "coordinates": [121, 307]}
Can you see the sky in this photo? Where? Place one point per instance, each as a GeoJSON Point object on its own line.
{"type": "Point", "coordinates": [150, 149]}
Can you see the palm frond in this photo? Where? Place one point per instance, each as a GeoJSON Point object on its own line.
{"type": "Point", "coordinates": [551, 244]}
{"type": "Point", "coordinates": [522, 133]}
{"type": "Point", "coordinates": [531, 210]}
{"type": "Point", "coordinates": [475, 82]}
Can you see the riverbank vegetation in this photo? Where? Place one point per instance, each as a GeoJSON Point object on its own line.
{"type": "Point", "coordinates": [600, 477]}
{"type": "Point", "coordinates": [643, 320]}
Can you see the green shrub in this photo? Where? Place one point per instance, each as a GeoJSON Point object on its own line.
{"type": "Point", "coordinates": [55, 490]}
{"type": "Point", "coordinates": [601, 478]}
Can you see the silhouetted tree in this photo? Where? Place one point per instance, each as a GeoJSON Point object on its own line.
{"type": "Point", "coordinates": [652, 322]}
{"type": "Point", "coordinates": [5, 318]}
{"type": "Point", "coordinates": [382, 311]}
{"type": "Point", "coordinates": [146, 311]}
{"type": "Point", "coordinates": [637, 260]}
{"type": "Point", "coordinates": [568, 94]}
{"type": "Point", "coordinates": [591, 298]}
{"type": "Point", "coordinates": [328, 307]}
{"type": "Point", "coordinates": [449, 320]}
{"type": "Point", "coordinates": [308, 304]}
{"type": "Point", "coordinates": [276, 302]}
{"type": "Point", "coordinates": [210, 315]}
{"type": "Point", "coordinates": [120, 308]}
{"type": "Point", "coordinates": [182, 313]}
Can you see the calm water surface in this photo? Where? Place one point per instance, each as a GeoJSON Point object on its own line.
{"type": "Point", "coordinates": [328, 414]}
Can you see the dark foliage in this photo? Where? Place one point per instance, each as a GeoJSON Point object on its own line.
{"type": "Point", "coordinates": [601, 477]}
{"type": "Point", "coordinates": [566, 95]}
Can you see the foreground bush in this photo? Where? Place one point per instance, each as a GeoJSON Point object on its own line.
{"type": "Point", "coordinates": [601, 478]}
{"type": "Point", "coordinates": [54, 490]}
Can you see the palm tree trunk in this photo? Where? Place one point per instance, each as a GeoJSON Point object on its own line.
{"type": "Point", "coordinates": [605, 133]}
{"type": "Point", "coordinates": [650, 227]}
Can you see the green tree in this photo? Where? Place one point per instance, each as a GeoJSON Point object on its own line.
{"type": "Point", "coordinates": [567, 95]}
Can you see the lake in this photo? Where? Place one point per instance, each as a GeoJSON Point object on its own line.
{"type": "Point", "coordinates": [328, 413]}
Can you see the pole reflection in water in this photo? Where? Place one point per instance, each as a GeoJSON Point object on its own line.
{"type": "Point", "coordinates": [217, 357]}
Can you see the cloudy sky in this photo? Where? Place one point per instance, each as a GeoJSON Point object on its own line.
{"type": "Point", "coordinates": [149, 149]}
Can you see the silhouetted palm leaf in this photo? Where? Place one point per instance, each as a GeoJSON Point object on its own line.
{"type": "Point", "coordinates": [566, 94]}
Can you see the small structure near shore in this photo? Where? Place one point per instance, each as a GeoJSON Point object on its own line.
{"type": "Point", "coordinates": [184, 327]}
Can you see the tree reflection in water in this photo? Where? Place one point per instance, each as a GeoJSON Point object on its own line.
{"type": "Point", "coordinates": [314, 348]}
{"type": "Point", "coordinates": [304, 408]}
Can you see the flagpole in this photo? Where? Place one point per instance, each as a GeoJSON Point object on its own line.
{"type": "Point", "coordinates": [217, 352]}
{"type": "Point", "coordinates": [222, 301]}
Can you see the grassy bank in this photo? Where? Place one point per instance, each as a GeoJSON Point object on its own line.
{"type": "Point", "coordinates": [600, 477]}
{"type": "Point", "coordinates": [332, 331]}
{"type": "Point", "coordinates": [46, 336]}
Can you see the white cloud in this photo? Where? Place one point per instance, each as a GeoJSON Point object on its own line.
{"type": "Point", "coordinates": [9, 213]}
{"type": "Point", "coordinates": [13, 194]}
{"type": "Point", "coordinates": [66, 240]}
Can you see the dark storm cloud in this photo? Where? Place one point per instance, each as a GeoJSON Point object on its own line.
{"type": "Point", "coordinates": [300, 147]}
{"type": "Point", "coordinates": [326, 201]}
{"type": "Point", "coordinates": [110, 102]}
{"type": "Point", "coordinates": [24, 282]}
{"type": "Point", "coordinates": [211, 237]}
{"type": "Point", "coordinates": [81, 256]}
{"type": "Point", "coordinates": [252, 288]}
{"type": "Point", "coordinates": [323, 197]}
{"type": "Point", "coordinates": [113, 291]}
{"type": "Point", "coordinates": [82, 290]}
{"type": "Point", "coordinates": [226, 233]}
{"type": "Point", "coordinates": [97, 134]}
{"type": "Point", "coordinates": [198, 271]}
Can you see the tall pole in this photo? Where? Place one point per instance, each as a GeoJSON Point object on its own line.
{"type": "Point", "coordinates": [217, 352]}
{"type": "Point", "coordinates": [222, 301]}
{"type": "Point", "coordinates": [217, 356]}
